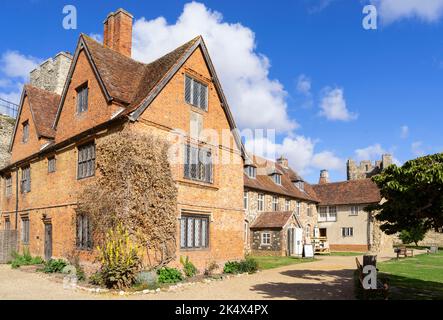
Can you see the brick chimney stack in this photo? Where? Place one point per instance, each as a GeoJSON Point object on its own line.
{"type": "Point", "coordinates": [324, 177]}
{"type": "Point", "coordinates": [117, 33]}
{"type": "Point", "coordinates": [283, 162]}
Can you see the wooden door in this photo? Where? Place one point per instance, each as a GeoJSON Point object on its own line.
{"type": "Point", "coordinates": [48, 241]}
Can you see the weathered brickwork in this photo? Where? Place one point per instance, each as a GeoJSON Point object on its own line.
{"type": "Point", "coordinates": [53, 196]}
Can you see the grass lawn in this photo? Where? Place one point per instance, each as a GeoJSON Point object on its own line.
{"type": "Point", "coordinates": [346, 254]}
{"type": "Point", "coordinates": [419, 277]}
{"type": "Point", "coordinates": [265, 262]}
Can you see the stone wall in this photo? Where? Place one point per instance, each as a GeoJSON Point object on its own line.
{"type": "Point", "coordinates": [274, 249]}
{"type": "Point", "coordinates": [6, 128]}
{"type": "Point", "coordinates": [8, 244]}
{"type": "Point", "coordinates": [51, 74]}
{"type": "Point", "coordinates": [366, 168]}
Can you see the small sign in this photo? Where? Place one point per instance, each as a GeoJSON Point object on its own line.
{"type": "Point", "coordinates": [309, 251]}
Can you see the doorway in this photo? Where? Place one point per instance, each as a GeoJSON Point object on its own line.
{"type": "Point", "coordinates": [48, 241]}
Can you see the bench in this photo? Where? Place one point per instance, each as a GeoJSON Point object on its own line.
{"type": "Point", "coordinates": [405, 252]}
{"type": "Point", "coordinates": [382, 288]}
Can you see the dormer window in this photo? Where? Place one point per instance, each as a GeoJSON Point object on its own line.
{"type": "Point", "coordinates": [25, 136]}
{"type": "Point", "coordinates": [277, 178]}
{"type": "Point", "coordinates": [82, 98]}
{"type": "Point", "coordinates": [300, 185]}
{"type": "Point", "coordinates": [251, 171]}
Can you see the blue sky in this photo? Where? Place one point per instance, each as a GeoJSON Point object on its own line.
{"type": "Point", "coordinates": [300, 63]}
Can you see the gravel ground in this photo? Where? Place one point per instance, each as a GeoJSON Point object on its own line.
{"type": "Point", "coordinates": [329, 277]}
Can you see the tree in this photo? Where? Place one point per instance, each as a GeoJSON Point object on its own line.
{"type": "Point", "coordinates": [413, 234]}
{"type": "Point", "coordinates": [134, 188]}
{"type": "Point", "coordinates": [412, 195]}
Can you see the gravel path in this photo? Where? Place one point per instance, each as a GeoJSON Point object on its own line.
{"type": "Point", "coordinates": [329, 277]}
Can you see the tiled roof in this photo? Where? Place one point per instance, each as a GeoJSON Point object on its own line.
{"type": "Point", "coordinates": [348, 192]}
{"type": "Point", "coordinates": [126, 79]}
{"type": "Point", "coordinates": [276, 219]}
{"type": "Point", "coordinates": [264, 181]}
{"type": "Point", "coordinates": [43, 106]}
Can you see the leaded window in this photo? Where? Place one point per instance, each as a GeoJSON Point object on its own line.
{"type": "Point", "coordinates": [196, 93]}
{"type": "Point", "coordinates": [194, 232]}
{"type": "Point", "coordinates": [86, 161]}
{"type": "Point", "coordinates": [198, 164]}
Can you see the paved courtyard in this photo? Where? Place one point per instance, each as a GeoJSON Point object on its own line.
{"type": "Point", "coordinates": [329, 277]}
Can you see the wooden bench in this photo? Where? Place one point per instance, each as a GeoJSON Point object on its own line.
{"type": "Point", "coordinates": [405, 252]}
{"type": "Point", "coordinates": [382, 288]}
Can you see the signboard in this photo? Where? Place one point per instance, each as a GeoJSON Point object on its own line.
{"type": "Point", "coordinates": [309, 251]}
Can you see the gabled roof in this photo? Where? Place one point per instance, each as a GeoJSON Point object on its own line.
{"type": "Point", "coordinates": [43, 107]}
{"type": "Point", "coordinates": [134, 84]}
{"type": "Point", "coordinates": [272, 220]}
{"type": "Point", "coordinates": [264, 182]}
{"type": "Point", "coordinates": [362, 191]}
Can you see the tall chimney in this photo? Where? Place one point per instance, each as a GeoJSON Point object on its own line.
{"type": "Point", "coordinates": [283, 162]}
{"type": "Point", "coordinates": [324, 177]}
{"type": "Point", "coordinates": [117, 33]}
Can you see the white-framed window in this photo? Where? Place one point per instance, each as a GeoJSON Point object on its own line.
{"type": "Point", "coordinates": [322, 213]}
{"type": "Point", "coordinates": [251, 172]}
{"type": "Point", "coordinates": [347, 232]}
{"type": "Point", "coordinates": [261, 202]}
{"type": "Point", "coordinates": [298, 208]}
{"type": "Point", "coordinates": [277, 178]}
{"type": "Point", "coordinates": [245, 200]}
{"type": "Point", "coordinates": [326, 213]}
{"type": "Point", "coordinates": [194, 232]}
{"type": "Point", "coordinates": [196, 93]}
{"type": "Point", "coordinates": [300, 185]}
{"type": "Point", "coordinates": [8, 186]}
{"type": "Point", "coordinates": [265, 238]}
{"type": "Point", "coordinates": [274, 203]}
{"type": "Point", "coordinates": [287, 205]}
{"type": "Point", "coordinates": [332, 214]}
{"type": "Point", "coordinates": [246, 231]}
{"type": "Point", "coordinates": [354, 210]}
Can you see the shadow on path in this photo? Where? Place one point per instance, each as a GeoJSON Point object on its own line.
{"type": "Point", "coordinates": [312, 285]}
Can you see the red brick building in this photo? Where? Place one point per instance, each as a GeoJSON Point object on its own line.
{"type": "Point", "coordinates": [53, 146]}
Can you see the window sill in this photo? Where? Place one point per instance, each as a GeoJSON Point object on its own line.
{"type": "Point", "coordinates": [194, 249]}
{"type": "Point", "coordinates": [196, 183]}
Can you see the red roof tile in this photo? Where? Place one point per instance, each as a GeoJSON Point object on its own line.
{"type": "Point", "coordinates": [264, 181]}
{"type": "Point", "coordinates": [43, 106]}
{"type": "Point", "coordinates": [348, 192]}
{"type": "Point", "coordinates": [276, 219]}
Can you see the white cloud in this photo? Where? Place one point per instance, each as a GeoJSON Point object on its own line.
{"type": "Point", "coordinates": [333, 105]}
{"type": "Point", "coordinates": [97, 37]}
{"type": "Point", "coordinates": [16, 65]}
{"type": "Point", "coordinates": [404, 132]}
{"type": "Point", "coordinates": [300, 152]}
{"type": "Point", "coordinates": [393, 10]}
{"type": "Point", "coordinates": [256, 100]}
{"type": "Point", "coordinates": [14, 69]}
{"type": "Point", "coordinates": [304, 85]}
{"type": "Point", "coordinates": [373, 153]}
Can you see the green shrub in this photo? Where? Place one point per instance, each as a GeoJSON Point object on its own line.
{"type": "Point", "coordinates": [231, 267]}
{"type": "Point", "coordinates": [119, 259]}
{"type": "Point", "coordinates": [188, 267]}
{"type": "Point", "coordinates": [248, 265]}
{"type": "Point", "coordinates": [96, 279]}
{"type": "Point", "coordinates": [54, 266]}
{"type": "Point", "coordinates": [169, 275]}
{"type": "Point", "coordinates": [24, 260]}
